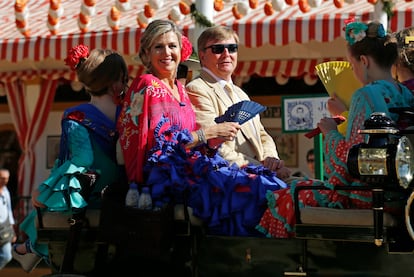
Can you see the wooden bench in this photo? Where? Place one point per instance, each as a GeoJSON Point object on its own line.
{"type": "Point", "coordinates": [349, 225]}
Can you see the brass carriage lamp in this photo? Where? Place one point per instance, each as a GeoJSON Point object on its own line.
{"type": "Point", "coordinates": [387, 157]}
{"type": "Point", "coordinates": [385, 161]}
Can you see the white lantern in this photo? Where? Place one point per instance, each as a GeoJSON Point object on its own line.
{"type": "Point", "coordinates": [279, 5]}
{"type": "Point", "coordinates": [281, 79]}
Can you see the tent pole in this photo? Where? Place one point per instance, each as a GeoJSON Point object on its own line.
{"type": "Point", "coordinates": [380, 15]}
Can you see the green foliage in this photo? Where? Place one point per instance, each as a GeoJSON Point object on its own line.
{"type": "Point", "coordinates": [387, 8]}
{"type": "Point", "coordinates": [200, 18]}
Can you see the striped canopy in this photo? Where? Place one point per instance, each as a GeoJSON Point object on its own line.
{"type": "Point", "coordinates": [287, 43]}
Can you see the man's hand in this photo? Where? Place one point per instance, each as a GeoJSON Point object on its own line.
{"type": "Point", "coordinates": [283, 173]}
{"type": "Point", "coordinates": [277, 166]}
{"type": "Point", "coordinates": [273, 164]}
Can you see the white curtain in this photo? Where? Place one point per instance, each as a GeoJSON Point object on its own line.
{"type": "Point", "coordinates": [29, 128]}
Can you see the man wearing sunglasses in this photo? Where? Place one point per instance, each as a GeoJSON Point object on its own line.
{"type": "Point", "coordinates": [213, 92]}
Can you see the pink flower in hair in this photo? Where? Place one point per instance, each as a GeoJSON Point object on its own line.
{"type": "Point", "coordinates": [186, 49]}
{"type": "Point", "coordinates": [76, 55]}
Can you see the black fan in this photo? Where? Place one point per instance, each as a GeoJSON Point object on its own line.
{"type": "Point", "coordinates": [241, 112]}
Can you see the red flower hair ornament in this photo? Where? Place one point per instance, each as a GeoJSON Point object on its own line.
{"type": "Point", "coordinates": [186, 48]}
{"type": "Point", "coordinates": [76, 56]}
{"type": "Point", "coordinates": [351, 19]}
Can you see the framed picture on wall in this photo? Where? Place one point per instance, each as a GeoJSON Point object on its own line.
{"type": "Point", "coordinates": [287, 146]}
{"type": "Point", "coordinates": [52, 146]}
{"type": "Point", "coordinates": [302, 113]}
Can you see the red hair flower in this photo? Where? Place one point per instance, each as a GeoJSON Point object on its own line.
{"type": "Point", "coordinates": [186, 48]}
{"type": "Point", "coordinates": [350, 19]}
{"type": "Point", "coordinates": [76, 55]}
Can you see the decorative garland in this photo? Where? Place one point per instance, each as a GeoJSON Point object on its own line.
{"type": "Point", "coordinates": [202, 20]}
{"type": "Point", "coordinates": [199, 17]}
{"type": "Point", "coordinates": [387, 8]}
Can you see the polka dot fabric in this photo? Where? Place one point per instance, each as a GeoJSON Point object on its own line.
{"type": "Point", "coordinates": [279, 218]}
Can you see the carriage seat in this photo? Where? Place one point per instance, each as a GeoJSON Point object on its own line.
{"type": "Point", "coordinates": [348, 225]}
{"type": "Point", "coordinates": [363, 225]}
{"type": "Point", "coordinates": [52, 220]}
{"type": "Point", "coordinates": [330, 216]}
{"type": "Point", "coordinates": [343, 224]}
{"type": "Point", "coordinates": [58, 220]}
{"type": "Point", "coordinates": [71, 252]}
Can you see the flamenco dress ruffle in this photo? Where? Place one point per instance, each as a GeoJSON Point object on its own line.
{"type": "Point", "coordinates": [61, 191]}
{"type": "Point", "coordinates": [87, 144]}
{"type": "Point", "coordinates": [229, 199]}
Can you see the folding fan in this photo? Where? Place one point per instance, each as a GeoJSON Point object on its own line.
{"type": "Point", "coordinates": [338, 78]}
{"type": "Point", "coordinates": [241, 112]}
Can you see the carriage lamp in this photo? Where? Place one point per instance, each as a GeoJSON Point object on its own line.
{"type": "Point", "coordinates": [387, 157]}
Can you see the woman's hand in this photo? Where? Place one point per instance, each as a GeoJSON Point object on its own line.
{"type": "Point", "coordinates": [36, 203]}
{"type": "Point", "coordinates": [224, 131]}
{"type": "Point", "coordinates": [335, 105]}
{"type": "Point", "coordinates": [327, 124]}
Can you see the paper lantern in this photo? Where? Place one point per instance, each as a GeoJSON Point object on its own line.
{"type": "Point", "coordinates": [22, 14]}
{"type": "Point", "coordinates": [281, 79]}
{"type": "Point", "coordinates": [123, 5]}
{"type": "Point", "coordinates": [54, 14]}
{"type": "Point", "coordinates": [278, 5]}
{"type": "Point", "coordinates": [114, 18]}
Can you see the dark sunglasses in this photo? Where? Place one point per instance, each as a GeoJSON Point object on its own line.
{"type": "Point", "coordinates": [219, 48]}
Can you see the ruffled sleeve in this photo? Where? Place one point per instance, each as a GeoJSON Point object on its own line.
{"type": "Point", "coordinates": [61, 191]}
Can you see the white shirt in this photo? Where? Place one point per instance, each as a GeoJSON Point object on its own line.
{"type": "Point", "coordinates": [5, 206]}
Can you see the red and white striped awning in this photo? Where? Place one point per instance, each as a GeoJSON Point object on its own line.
{"type": "Point", "coordinates": [43, 52]}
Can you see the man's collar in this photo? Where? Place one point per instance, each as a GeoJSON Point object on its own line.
{"type": "Point", "coordinates": [221, 81]}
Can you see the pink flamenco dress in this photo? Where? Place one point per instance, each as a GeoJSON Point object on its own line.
{"type": "Point", "coordinates": [279, 219]}
{"type": "Point", "coordinates": [154, 128]}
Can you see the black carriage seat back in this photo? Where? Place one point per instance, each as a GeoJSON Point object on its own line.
{"type": "Point", "coordinates": [57, 221]}
{"type": "Point", "coordinates": [73, 236]}
{"type": "Point", "coordinates": [372, 226]}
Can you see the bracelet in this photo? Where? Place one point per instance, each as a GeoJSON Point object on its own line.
{"type": "Point", "coordinates": [201, 136]}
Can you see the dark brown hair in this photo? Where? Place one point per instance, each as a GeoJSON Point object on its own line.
{"type": "Point", "coordinates": [100, 70]}
{"type": "Point", "coordinates": [381, 48]}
